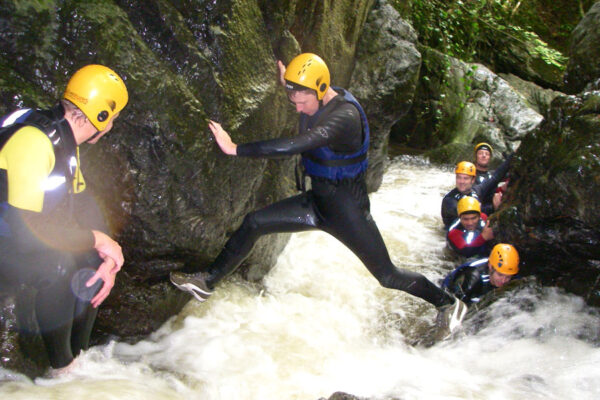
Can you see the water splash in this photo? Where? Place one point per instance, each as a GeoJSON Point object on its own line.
{"type": "Point", "coordinates": [320, 323]}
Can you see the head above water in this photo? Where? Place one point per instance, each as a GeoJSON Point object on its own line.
{"type": "Point", "coordinates": [465, 167]}
{"type": "Point", "coordinates": [483, 155]}
{"type": "Point", "coordinates": [469, 212]}
{"type": "Point", "coordinates": [307, 71]}
{"type": "Point", "coordinates": [503, 263]}
{"type": "Point", "coordinates": [98, 92]}
{"type": "Point", "coordinates": [465, 176]}
{"type": "Point", "coordinates": [468, 204]}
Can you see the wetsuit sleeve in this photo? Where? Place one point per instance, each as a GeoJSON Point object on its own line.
{"type": "Point", "coordinates": [448, 217]}
{"type": "Point", "coordinates": [465, 283]}
{"type": "Point", "coordinates": [484, 189]}
{"type": "Point", "coordinates": [341, 128]}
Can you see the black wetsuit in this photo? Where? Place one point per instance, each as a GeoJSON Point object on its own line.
{"type": "Point", "coordinates": [52, 250]}
{"type": "Point", "coordinates": [470, 281]}
{"type": "Point", "coordinates": [479, 191]}
{"type": "Point", "coordinates": [481, 176]}
{"type": "Point", "coordinates": [340, 208]}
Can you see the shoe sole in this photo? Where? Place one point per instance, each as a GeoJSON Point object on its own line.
{"type": "Point", "coordinates": [193, 290]}
{"type": "Point", "coordinates": [457, 316]}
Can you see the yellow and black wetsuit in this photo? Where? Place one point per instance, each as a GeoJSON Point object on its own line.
{"type": "Point", "coordinates": [339, 207]}
{"type": "Point", "coordinates": [42, 242]}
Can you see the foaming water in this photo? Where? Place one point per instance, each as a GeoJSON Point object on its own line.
{"type": "Point", "coordinates": [320, 323]}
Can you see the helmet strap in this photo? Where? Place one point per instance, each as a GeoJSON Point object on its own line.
{"type": "Point", "coordinates": [94, 136]}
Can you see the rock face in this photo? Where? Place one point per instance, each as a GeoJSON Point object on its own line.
{"type": "Point", "coordinates": [583, 70]}
{"type": "Point", "coordinates": [385, 78]}
{"type": "Point", "coordinates": [171, 197]}
{"type": "Point", "coordinates": [458, 104]}
{"type": "Point", "coordinates": [551, 209]}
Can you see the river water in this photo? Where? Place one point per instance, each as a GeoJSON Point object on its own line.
{"type": "Point", "coordinates": [319, 323]}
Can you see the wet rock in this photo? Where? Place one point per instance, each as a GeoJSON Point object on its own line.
{"type": "Point", "coordinates": [551, 209]}
{"type": "Point", "coordinates": [343, 396]}
{"type": "Point", "coordinates": [458, 104]}
{"type": "Point", "coordinates": [171, 197]}
{"type": "Point", "coordinates": [535, 96]}
{"type": "Point", "coordinates": [385, 78]}
{"type": "Point", "coordinates": [583, 69]}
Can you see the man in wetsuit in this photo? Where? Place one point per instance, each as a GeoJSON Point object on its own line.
{"type": "Point", "coordinates": [483, 155]}
{"type": "Point", "coordinates": [333, 141]}
{"type": "Point", "coordinates": [465, 186]}
{"type": "Point", "coordinates": [52, 234]}
{"type": "Point", "coordinates": [469, 235]}
{"type": "Point", "coordinates": [470, 281]}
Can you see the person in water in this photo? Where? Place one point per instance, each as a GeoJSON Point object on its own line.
{"type": "Point", "coordinates": [333, 141]}
{"type": "Point", "coordinates": [483, 153]}
{"type": "Point", "coordinates": [470, 234]}
{"type": "Point", "coordinates": [465, 173]}
{"type": "Point", "coordinates": [52, 234]}
{"type": "Point", "coordinates": [471, 280]}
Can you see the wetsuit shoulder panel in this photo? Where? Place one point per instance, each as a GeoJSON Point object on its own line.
{"type": "Point", "coordinates": [28, 158]}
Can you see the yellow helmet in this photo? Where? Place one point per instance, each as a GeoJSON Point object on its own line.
{"type": "Point", "coordinates": [307, 71]}
{"type": "Point", "coordinates": [504, 258]}
{"type": "Point", "coordinates": [485, 146]}
{"type": "Point", "coordinates": [468, 204]}
{"type": "Point", "coordinates": [97, 91]}
{"type": "Point", "coordinates": [465, 167]}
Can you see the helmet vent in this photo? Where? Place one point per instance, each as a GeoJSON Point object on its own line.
{"type": "Point", "coordinates": [102, 116]}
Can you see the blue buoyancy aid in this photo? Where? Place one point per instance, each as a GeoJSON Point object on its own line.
{"type": "Point", "coordinates": [325, 163]}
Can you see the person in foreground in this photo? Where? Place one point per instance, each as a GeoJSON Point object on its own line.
{"type": "Point", "coordinates": [52, 234]}
{"type": "Point", "coordinates": [470, 234]}
{"type": "Point", "coordinates": [470, 281]}
{"type": "Point", "coordinates": [333, 141]}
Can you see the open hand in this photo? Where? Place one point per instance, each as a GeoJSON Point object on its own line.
{"type": "Point", "coordinates": [223, 139]}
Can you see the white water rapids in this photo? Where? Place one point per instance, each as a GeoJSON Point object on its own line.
{"type": "Point", "coordinates": [320, 323]}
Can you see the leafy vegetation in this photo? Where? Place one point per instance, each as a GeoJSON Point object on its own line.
{"type": "Point", "coordinates": [468, 29]}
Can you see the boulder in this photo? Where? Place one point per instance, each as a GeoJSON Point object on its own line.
{"type": "Point", "coordinates": [583, 69]}
{"type": "Point", "coordinates": [551, 211]}
{"type": "Point", "coordinates": [170, 196]}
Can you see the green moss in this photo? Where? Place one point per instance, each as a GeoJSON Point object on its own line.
{"type": "Point", "coordinates": [475, 30]}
